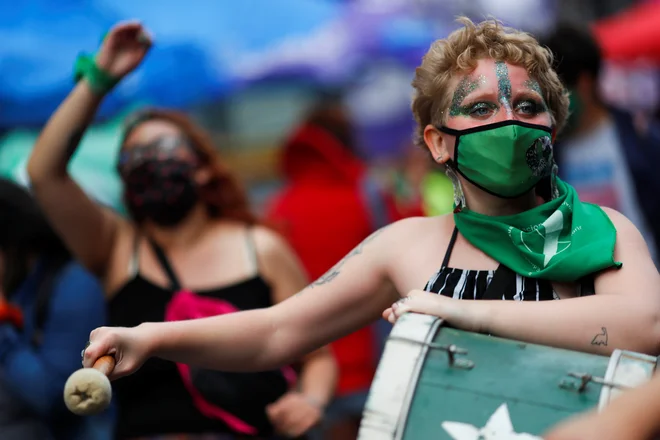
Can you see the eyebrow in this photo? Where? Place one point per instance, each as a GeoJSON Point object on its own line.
{"type": "Point", "coordinates": [466, 86]}
{"type": "Point", "coordinates": [534, 86]}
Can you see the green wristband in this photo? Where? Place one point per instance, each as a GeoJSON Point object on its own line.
{"type": "Point", "coordinates": [99, 80]}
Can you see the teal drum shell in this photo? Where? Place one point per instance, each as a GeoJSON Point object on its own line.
{"type": "Point", "coordinates": [435, 382]}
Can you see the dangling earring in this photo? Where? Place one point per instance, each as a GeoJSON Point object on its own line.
{"type": "Point", "coordinates": [459, 196]}
{"type": "Point", "coordinates": [439, 158]}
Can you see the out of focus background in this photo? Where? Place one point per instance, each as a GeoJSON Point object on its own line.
{"type": "Point", "coordinates": [248, 70]}
{"type": "Point", "coordinates": [290, 88]}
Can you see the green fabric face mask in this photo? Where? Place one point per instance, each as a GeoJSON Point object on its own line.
{"type": "Point", "coordinates": [506, 159]}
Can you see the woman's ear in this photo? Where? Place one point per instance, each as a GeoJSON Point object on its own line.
{"type": "Point", "coordinates": [437, 144]}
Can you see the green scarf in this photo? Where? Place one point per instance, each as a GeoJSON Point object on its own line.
{"type": "Point", "coordinates": [561, 240]}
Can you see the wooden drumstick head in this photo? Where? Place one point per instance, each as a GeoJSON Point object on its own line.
{"type": "Point", "coordinates": [88, 390]}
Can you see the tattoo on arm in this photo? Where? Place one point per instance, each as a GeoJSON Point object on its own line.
{"type": "Point", "coordinates": [73, 142]}
{"type": "Point", "coordinates": [336, 269]}
{"type": "Point", "coordinates": [600, 338]}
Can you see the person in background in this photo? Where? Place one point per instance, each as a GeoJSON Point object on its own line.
{"type": "Point", "coordinates": [48, 306]}
{"type": "Point", "coordinates": [601, 152]}
{"type": "Point", "coordinates": [328, 206]}
{"type": "Point", "coordinates": [406, 181]}
{"type": "Point", "coordinates": [191, 248]}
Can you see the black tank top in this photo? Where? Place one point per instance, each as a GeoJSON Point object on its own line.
{"type": "Point", "coordinates": [154, 400]}
{"type": "Point", "coordinates": [502, 283]}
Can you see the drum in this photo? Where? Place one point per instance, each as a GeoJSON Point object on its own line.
{"type": "Point", "coordinates": [435, 382]}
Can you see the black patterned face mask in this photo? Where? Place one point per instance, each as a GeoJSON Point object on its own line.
{"type": "Point", "coordinates": [158, 180]}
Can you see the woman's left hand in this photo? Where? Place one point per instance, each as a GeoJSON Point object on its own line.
{"type": "Point", "coordinates": [466, 315]}
{"type": "Point", "coordinates": [294, 414]}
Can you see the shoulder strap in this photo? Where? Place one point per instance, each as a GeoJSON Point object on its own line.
{"type": "Point", "coordinates": [500, 283]}
{"type": "Point", "coordinates": [450, 247]}
{"type": "Point", "coordinates": [165, 264]}
{"type": "Point", "coordinates": [252, 249]}
{"type": "Point", "coordinates": [134, 262]}
{"type": "Point", "coordinates": [375, 201]}
{"type": "Point", "coordinates": [587, 286]}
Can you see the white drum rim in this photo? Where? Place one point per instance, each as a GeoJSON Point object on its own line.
{"type": "Point", "coordinates": [412, 388]}
{"type": "Point", "coordinates": [407, 332]}
{"type": "Point", "coordinates": [613, 375]}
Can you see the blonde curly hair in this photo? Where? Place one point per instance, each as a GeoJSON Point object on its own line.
{"type": "Point", "coordinates": [459, 53]}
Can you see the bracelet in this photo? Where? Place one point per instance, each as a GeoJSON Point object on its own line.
{"type": "Point", "coordinates": [11, 314]}
{"type": "Point", "coordinates": [100, 81]}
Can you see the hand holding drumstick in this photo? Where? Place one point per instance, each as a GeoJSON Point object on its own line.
{"type": "Point", "coordinates": [88, 390]}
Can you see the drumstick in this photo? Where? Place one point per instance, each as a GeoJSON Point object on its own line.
{"type": "Point", "coordinates": [88, 390]}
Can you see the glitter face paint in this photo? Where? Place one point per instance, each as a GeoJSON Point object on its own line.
{"type": "Point", "coordinates": [534, 86]}
{"type": "Point", "coordinates": [466, 86]}
{"type": "Point", "coordinates": [503, 86]}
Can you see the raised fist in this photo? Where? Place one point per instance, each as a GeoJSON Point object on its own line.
{"type": "Point", "coordinates": [123, 49]}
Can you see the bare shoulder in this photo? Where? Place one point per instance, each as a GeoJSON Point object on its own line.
{"type": "Point", "coordinates": [274, 252]}
{"type": "Point", "coordinates": [627, 234]}
{"type": "Point", "coordinates": [418, 228]}
{"type": "Point", "coordinates": [269, 242]}
{"type": "Point", "coordinates": [638, 272]}
{"type": "Point", "coordinates": [620, 221]}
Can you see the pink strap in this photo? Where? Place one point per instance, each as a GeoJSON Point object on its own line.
{"type": "Point", "coordinates": [187, 305]}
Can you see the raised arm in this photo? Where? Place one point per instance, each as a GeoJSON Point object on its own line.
{"type": "Point", "coordinates": [87, 229]}
{"type": "Point", "coordinates": [349, 296]}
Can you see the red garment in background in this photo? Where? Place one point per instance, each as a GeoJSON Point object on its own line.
{"type": "Point", "coordinates": [322, 213]}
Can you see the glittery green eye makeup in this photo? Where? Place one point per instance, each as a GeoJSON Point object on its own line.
{"type": "Point", "coordinates": [530, 107]}
{"type": "Point", "coordinates": [533, 86]}
{"type": "Point", "coordinates": [528, 101]}
{"type": "Point", "coordinates": [464, 88]}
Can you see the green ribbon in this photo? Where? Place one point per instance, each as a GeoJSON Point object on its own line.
{"type": "Point", "coordinates": [100, 81]}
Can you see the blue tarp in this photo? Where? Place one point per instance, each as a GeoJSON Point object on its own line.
{"type": "Point", "coordinates": [198, 44]}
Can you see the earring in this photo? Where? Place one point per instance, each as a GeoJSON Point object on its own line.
{"type": "Point", "coordinates": [439, 158]}
{"type": "Point", "coordinates": [459, 196]}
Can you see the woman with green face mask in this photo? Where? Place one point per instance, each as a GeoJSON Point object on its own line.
{"type": "Point", "coordinates": [572, 275]}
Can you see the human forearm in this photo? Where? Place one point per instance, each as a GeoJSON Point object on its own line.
{"type": "Point", "coordinates": [631, 416]}
{"type": "Point", "coordinates": [241, 341]}
{"type": "Point", "coordinates": [597, 324]}
{"type": "Point", "coordinates": [62, 134]}
{"type": "Point", "coordinates": [637, 411]}
{"type": "Point", "coordinates": [319, 377]}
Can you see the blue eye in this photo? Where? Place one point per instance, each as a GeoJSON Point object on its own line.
{"type": "Point", "coordinates": [482, 109]}
{"type": "Point", "coordinates": [531, 107]}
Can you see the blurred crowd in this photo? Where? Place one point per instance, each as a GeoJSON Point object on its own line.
{"type": "Point", "coordinates": [69, 265]}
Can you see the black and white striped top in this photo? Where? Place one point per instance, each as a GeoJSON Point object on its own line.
{"type": "Point", "coordinates": [502, 283]}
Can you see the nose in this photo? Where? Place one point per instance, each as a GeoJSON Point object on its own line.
{"type": "Point", "coordinates": [509, 114]}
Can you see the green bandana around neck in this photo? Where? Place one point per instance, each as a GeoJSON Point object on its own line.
{"type": "Point", "coordinates": [562, 240]}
